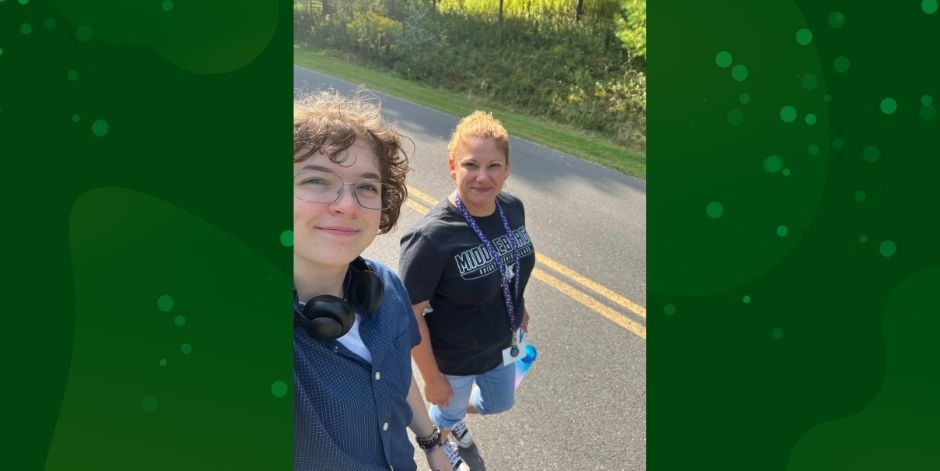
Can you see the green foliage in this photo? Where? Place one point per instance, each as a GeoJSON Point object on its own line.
{"type": "Point", "coordinates": [631, 27]}
{"type": "Point", "coordinates": [373, 33]}
{"type": "Point", "coordinates": [529, 9]}
{"type": "Point", "coordinates": [549, 66]}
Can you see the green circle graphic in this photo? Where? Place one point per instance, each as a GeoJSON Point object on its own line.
{"type": "Point", "coordinates": [279, 389]}
{"type": "Point", "coordinates": [788, 114]}
{"type": "Point", "coordinates": [714, 210]}
{"type": "Point", "coordinates": [149, 404]}
{"type": "Point", "coordinates": [888, 105]}
{"type": "Point", "coordinates": [841, 64]}
{"type": "Point", "coordinates": [83, 33]}
{"type": "Point", "coordinates": [739, 73]}
{"type": "Point", "coordinates": [165, 303]}
{"type": "Point", "coordinates": [887, 248]}
{"type": "Point", "coordinates": [669, 309]}
{"type": "Point", "coordinates": [723, 59]}
{"type": "Point", "coordinates": [929, 6]}
{"type": "Point", "coordinates": [782, 231]}
{"type": "Point", "coordinates": [773, 164]}
{"type": "Point", "coordinates": [928, 113]}
{"type": "Point", "coordinates": [871, 153]}
{"type": "Point", "coordinates": [809, 82]}
{"type": "Point", "coordinates": [804, 37]}
{"type": "Point", "coordinates": [287, 238]}
{"type": "Point", "coordinates": [837, 19]}
{"type": "Point", "coordinates": [100, 128]}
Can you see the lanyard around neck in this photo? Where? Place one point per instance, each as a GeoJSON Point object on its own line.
{"type": "Point", "coordinates": [503, 278]}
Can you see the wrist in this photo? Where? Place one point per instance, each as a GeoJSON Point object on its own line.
{"type": "Point", "coordinates": [436, 379]}
{"type": "Point", "coordinates": [430, 441]}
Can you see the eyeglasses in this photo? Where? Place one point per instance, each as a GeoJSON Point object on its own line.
{"type": "Point", "coordinates": [325, 188]}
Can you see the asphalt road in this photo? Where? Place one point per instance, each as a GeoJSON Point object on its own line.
{"type": "Point", "coordinates": [583, 404]}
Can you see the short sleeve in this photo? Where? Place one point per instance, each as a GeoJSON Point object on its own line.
{"type": "Point", "coordinates": [420, 265]}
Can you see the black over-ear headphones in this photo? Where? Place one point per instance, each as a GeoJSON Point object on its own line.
{"type": "Point", "coordinates": [327, 317]}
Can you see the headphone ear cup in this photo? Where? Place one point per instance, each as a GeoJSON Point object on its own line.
{"type": "Point", "coordinates": [365, 292]}
{"type": "Point", "coordinates": [328, 317]}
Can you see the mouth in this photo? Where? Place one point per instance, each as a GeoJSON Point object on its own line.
{"type": "Point", "coordinates": [339, 230]}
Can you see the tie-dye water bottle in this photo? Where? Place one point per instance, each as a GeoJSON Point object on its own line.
{"type": "Point", "coordinates": [523, 364]}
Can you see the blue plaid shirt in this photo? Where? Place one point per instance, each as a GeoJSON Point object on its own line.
{"type": "Point", "coordinates": [349, 414]}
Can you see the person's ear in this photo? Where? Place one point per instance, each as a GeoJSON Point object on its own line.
{"type": "Point", "coordinates": [452, 164]}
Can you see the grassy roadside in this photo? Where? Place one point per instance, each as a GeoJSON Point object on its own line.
{"type": "Point", "coordinates": [563, 138]}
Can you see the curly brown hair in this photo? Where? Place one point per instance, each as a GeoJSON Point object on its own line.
{"type": "Point", "coordinates": [329, 123]}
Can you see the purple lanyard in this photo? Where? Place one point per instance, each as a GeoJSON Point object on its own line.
{"type": "Point", "coordinates": [503, 279]}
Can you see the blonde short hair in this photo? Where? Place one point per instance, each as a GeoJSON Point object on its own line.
{"type": "Point", "coordinates": [478, 124]}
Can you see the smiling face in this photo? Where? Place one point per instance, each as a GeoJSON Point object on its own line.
{"type": "Point", "coordinates": [329, 236]}
{"type": "Point", "coordinates": [479, 167]}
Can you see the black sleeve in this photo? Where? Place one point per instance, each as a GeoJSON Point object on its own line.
{"type": "Point", "coordinates": [420, 265]}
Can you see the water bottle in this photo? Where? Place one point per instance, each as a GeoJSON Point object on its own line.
{"type": "Point", "coordinates": [523, 364]}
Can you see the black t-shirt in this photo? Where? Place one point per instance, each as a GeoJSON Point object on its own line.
{"type": "Point", "coordinates": [443, 260]}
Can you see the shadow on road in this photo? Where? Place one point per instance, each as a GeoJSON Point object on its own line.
{"type": "Point", "coordinates": [472, 457]}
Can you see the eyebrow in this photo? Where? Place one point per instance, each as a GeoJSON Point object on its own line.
{"type": "Point", "coordinates": [364, 176]}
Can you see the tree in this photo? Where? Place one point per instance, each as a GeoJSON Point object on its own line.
{"type": "Point", "coordinates": [631, 27]}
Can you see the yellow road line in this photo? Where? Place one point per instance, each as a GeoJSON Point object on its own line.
{"type": "Point", "coordinates": [597, 288]}
{"type": "Point", "coordinates": [591, 303]}
{"type": "Point", "coordinates": [565, 288]}
{"type": "Point", "coordinates": [412, 191]}
{"type": "Point", "coordinates": [417, 207]}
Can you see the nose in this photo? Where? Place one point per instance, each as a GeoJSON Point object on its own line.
{"type": "Point", "coordinates": [346, 201]}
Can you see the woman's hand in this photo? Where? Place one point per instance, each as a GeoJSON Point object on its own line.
{"type": "Point", "coordinates": [525, 320]}
{"type": "Point", "coordinates": [437, 460]}
{"type": "Point", "coordinates": [438, 391]}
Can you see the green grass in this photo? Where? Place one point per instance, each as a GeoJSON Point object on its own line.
{"type": "Point", "coordinates": [578, 143]}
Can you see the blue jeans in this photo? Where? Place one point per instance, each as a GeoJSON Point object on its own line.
{"type": "Point", "coordinates": [494, 394]}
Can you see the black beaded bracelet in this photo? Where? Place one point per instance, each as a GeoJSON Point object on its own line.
{"type": "Point", "coordinates": [429, 442]}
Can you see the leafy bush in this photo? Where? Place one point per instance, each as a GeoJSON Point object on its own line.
{"type": "Point", "coordinates": [373, 34]}
{"type": "Point", "coordinates": [574, 72]}
{"type": "Point", "coordinates": [631, 27]}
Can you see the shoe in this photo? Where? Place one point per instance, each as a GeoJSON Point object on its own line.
{"type": "Point", "coordinates": [461, 435]}
{"type": "Point", "coordinates": [453, 455]}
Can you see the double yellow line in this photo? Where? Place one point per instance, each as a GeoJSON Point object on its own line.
{"type": "Point", "coordinates": [564, 287]}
